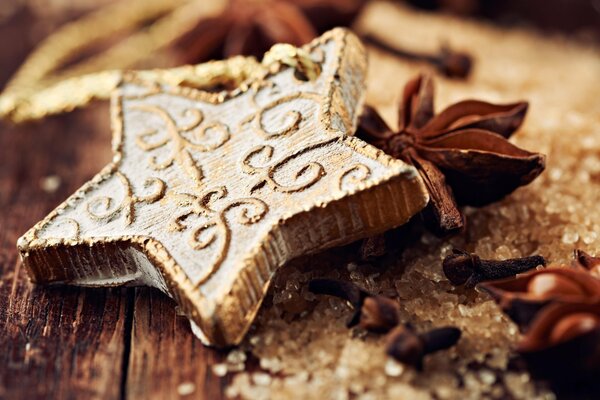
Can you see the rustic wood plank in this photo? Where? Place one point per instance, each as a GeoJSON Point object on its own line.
{"type": "Point", "coordinates": [64, 342]}
{"type": "Point", "coordinates": [57, 342]}
{"type": "Point", "coordinates": [167, 361]}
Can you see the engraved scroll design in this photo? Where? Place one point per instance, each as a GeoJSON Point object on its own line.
{"type": "Point", "coordinates": [289, 122]}
{"type": "Point", "coordinates": [215, 225]}
{"type": "Point", "coordinates": [351, 177]}
{"type": "Point", "coordinates": [185, 140]}
{"type": "Point", "coordinates": [303, 177]}
{"type": "Point", "coordinates": [69, 229]}
{"type": "Point", "coordinates": [106, 208]}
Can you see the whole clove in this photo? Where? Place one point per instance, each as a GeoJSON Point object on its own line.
{"type": "Point", "coordinates": [452, 64]}
{"type": "Point", "coordinates": [462, 268]}
{"type": "Point", "coordinates": [409, 347]}
{"type": "Point", "coordinates": [379, 314]}
{"type": "Point", "coordinates": [372, 312]}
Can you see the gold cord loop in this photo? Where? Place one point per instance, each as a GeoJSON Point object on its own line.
{"type": "Point", "coordinates": [294, 57]}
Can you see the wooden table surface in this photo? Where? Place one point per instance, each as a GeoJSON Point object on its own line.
{"type": "Point", "coordinates": [66, 342]}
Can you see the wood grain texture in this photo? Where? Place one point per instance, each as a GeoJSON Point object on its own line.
{"type": "Point", "coordinates": [63, 342]}
{"type": "Point", "coordinates": [167, 361]}
{"type": "Point", "coordinates": [57, 342]}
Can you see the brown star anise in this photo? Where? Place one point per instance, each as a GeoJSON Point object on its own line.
{"type": "Point", "coordinates": [522, 297]}
{"type": "Point", "coordinates": [251, 27]}
{"type": "Point", "coordinates": [558, 309]}
{"type": "Point", "coordinates": [462, 153]}
{"type": "Point", "coordinates": [562, 343]}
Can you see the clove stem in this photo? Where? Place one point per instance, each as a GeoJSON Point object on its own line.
{"type": "Point", "coordinates": [451, 63]}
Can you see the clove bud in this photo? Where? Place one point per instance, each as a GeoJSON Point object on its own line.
{"type": "Point", "coordinates": [409, 347]}
{"type": "Point", "coordinates": [462, 268]}
{"type": "Point", "coordinates": [382, 315]}
{"type": "Point", "coordinates": [379, 314]}
{"type": "Point", "coordinates": [451, 63]}
{"type": "Point", "coordinates": [372, 312]}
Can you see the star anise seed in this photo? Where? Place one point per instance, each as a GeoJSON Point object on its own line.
{"type": "Point", "coordinates": [462, 153]}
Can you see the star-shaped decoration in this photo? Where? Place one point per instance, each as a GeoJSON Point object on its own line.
{"type": "Point", "coordinates": [208, 194]}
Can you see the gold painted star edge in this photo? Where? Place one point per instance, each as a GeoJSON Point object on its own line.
{"type": "Point", "coordinates": [225, 323]}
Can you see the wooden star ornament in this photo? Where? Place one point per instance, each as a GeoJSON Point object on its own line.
{"type": "Point", "coordinates": [208, 194]}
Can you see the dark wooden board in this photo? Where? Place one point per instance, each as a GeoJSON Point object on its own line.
{"type": "Point", "coordinates": [56, 342]}
{"type": "Point", "coordinates": [65, 342]}
{"type": "Point", "coordinates": [166, 360]}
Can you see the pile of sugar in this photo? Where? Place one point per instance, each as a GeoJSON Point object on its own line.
{"type": "Point", "coordinates": [300, 341]}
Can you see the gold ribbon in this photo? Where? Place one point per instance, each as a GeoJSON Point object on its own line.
{"type": "Point", "coordinates": [39, 89]}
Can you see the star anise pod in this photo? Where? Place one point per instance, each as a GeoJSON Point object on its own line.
{"type": "Point", "coordinates": [251, 27]}
{"type": "Point", "coordinates": [462, 153]}
{"type": "Point", "coordinates": [563, 343]}
{"type": "Point", "coordinates": [558, 311]}
{"type": "Point", "coordinates": [523, 297]}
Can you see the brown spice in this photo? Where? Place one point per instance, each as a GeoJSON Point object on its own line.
{"type": "Point", "coordinates": [559, 311]}
{"type": "Point", "coordinates": [562, 343]}
{"type": "Point", "coordinates": [409, 347]}
{"type": "Point", "coordinates": [452, 64]}
{"type": "Point", "coordinates": [588, 262]}
{"type": "Point", "coordinates": [250, 27]}
{"type": "Point", "coordinates": [462, 268]}
{"type": "Point", "coordinates": [379, 314]}
{"type": "Point", "coordinates": [521, 298]}
{"type": "Point", "coordinates": [372, 312]}
{"type": "Point", "coordinates": [462, 153]}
